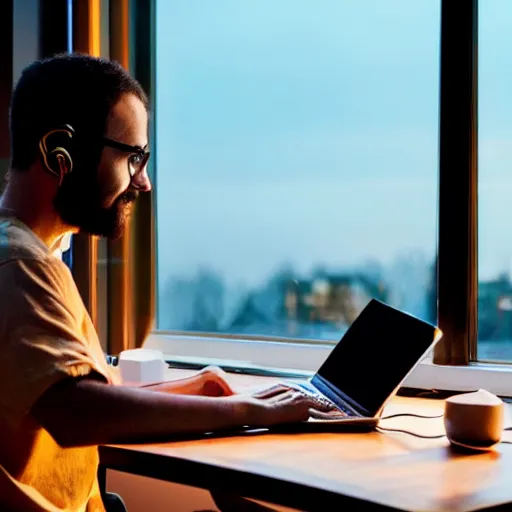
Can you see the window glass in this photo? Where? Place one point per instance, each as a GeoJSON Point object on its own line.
{"type": "Point", "coordinates": [495, 181]}
{"type": "Point", "coordinates": [296, 164]}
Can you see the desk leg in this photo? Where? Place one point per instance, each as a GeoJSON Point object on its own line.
{"type": "Point", "coordinates": [113, 502]}
{"type": "Point", "coordinates": [232, 503]}
{"type": "Point", "coordinates": [102, 479]}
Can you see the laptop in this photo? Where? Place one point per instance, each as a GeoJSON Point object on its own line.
{"type": "Point", "coordinates": [370, 362]}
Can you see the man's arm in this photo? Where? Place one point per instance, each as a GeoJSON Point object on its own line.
{"type": "Point", "coordinates": [80, 412]}
{"type": "Point", "coordinates": [210, 381]}
{"type": "Point", "coordinates": [193, 385]}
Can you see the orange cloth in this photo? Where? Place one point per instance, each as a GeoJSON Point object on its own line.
{"type": "Point", "coordinates": [46, 335]}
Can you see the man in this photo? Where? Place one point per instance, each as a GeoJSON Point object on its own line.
{"type": "Point", "coordinates": [79, 139]}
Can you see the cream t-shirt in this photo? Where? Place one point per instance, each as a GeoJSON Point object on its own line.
{"type": "Point", "coordinates": [46, 335]}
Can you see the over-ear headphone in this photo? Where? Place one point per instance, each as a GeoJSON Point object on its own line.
{"type": "Point", "coordinates": [57, 160]}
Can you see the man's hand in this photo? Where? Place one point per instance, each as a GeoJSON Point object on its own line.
{"type": "Point", "coordinates": [275, 389]}
{"type": "Point", "coordinates": [281, 404]}
{"type": "Point", "coordinates": [210, 381]}
{"type": "Point", "coordinates": [215, 382]}
{"type": "Point", "coordinates": [80, 412]}
{"type": "Point", "coordinates": [319, 410]}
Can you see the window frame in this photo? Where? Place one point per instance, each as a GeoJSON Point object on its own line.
{"type": "Point", "coordinates": [278, 357]}
{"type": "Point", "coordinates": [457, 217]}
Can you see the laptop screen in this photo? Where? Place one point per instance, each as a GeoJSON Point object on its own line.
{"type": "Point", "coordinates": [376, 353]}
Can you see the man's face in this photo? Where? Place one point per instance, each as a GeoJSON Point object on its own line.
{"type": "Point", "coordinates": [105, 201]}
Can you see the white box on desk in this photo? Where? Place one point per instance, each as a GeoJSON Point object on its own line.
{"type": "Point", "coordinates": [142, 366]}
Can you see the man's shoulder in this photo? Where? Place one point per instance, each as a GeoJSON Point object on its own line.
{"type": "Point", "coordinates": [18, 242]}
{"type": "Point", "coordinates": [28, 268]}
{"type": "Point", "coordinates": [24, 264]}
{"type": "Point", "coordinates": [38, 289]}
{"type": "Point", "coordinates": [27, 265]}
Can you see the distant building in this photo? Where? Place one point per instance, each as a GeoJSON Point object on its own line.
{"type": "Point", "coordinates": [495, 309]}
{"type": "Point", "coordinates": [334, 298]}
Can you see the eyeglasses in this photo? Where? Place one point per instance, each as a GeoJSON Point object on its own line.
{"type": "Point", "coordinates": [138, 158]}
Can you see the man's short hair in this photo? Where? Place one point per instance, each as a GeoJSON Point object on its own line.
{"type": "Point", "coordinates": [73, 89]}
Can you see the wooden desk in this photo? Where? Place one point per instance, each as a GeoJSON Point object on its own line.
{"type": "Point", "coordinates": [328, 471]}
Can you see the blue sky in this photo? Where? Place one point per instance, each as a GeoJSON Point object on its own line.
{"type": "Point", "coordinates": [307, 132]}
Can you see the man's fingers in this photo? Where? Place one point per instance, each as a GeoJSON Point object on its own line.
{"type": "Point", "coordinates": [271, 391]}
{"type": "Point", "coordinates": [281, 392]}
{"type": "Point", "coordinates": [324, 406]}
{"type": "Point", "coordinates": [317, 404]}
{"type": "Point", "coordinates": [288, 395]}
{"type": "Point", "coordinates": [333, 414]}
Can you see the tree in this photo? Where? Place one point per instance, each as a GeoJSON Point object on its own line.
{"type": "Point", "coordinates": [194, 303]}
{"type": "Point", "coordinates": [208, 302]}
{"type": "Point", "coordinates": [248, 314]}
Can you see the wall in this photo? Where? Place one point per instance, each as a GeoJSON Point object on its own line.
{"type": "Point", "coordinates": [142, 494]}
{"type": "Point", "coordinates": [4, 165]}
{"type": "Point", "coordinates": [25, 36]}
{"type": "Point", "coordinates": [19, 41]}
{"type": "Point", "coordinates": [6, 60]}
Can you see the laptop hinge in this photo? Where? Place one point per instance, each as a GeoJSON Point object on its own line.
{"type": "Point", "coordinates": [336, 395]}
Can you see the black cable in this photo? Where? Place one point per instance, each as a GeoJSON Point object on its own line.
{"type": "Point", "coordinates": [411, 415]}
{"type": "Point", "coordinates": [385, 429]}
{"type": "Point", "coordinates": [410, 433]}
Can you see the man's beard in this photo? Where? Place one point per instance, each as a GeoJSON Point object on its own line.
{"type": "Point", "coordinates": [80, 205]}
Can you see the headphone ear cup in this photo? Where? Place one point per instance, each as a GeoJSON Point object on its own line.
{"type": "Point", "coordinates": [58, 161]}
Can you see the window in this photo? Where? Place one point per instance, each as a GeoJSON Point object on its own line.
{"type": "Point", "coordinates": [297, 164]}
{"type": "Point", "coordinates": [297, 157]}
{"type": "Point", "coordinates": [495, 182]}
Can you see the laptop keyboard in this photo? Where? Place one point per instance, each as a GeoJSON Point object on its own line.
{"type": "Point", "coordinates": [340, 410]}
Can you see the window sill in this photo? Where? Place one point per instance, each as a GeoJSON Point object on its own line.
{"type": "Point", "coordinates": [301, 359]}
